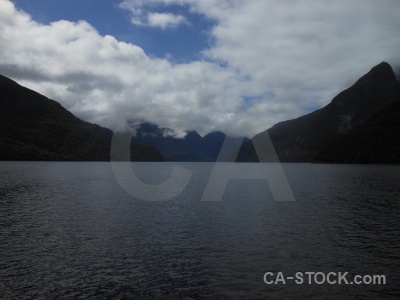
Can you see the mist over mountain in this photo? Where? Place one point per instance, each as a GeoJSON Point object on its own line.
{"type": "Point", "coordinates": [360, 125]}
{"type": "Point", "coordinates": [33, 127]}
{"type": "Point", "coordinates": [192, 147]}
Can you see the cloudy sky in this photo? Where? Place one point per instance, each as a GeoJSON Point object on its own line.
{"type": "Point", "coordinates": [238, 66]}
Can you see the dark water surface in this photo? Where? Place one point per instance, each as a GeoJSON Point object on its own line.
{"type": "Point", "coordinates": [69, 231]}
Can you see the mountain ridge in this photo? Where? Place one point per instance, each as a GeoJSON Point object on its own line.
{"type": "Point", "coordinates": [376, 141]}
{"type": "Point", "coordinates": [34, 127]}
{"type": "Point", "coordinates": [301, 139]}
{"type": "Point", "coordinates": [192, 147]}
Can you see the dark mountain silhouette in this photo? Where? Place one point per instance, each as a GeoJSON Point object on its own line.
{"type": "Point", "coordinates": [172, 149]}
{"type": "Point", "coordinates": [301, 139]}
{"type": "Point", "coordinates": [33, 127]}
{"type": "Point", "coordinates": [212, 143]}
{"type": "Point", "coordinates": [375, 141]}
{"type": "Point", "coordinates": [192, 147]}
{"type": "Point", "coordinates": [360, 125]}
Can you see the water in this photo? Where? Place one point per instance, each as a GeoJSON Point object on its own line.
{"type": "Point", "coordinates": [69, 231]}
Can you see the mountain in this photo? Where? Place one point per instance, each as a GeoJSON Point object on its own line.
{"type": "Point", "coordinates": [359, 125]}
{"type": "Point", "coordinates": [192, 147]}
{"type": "Point", "coordinates": [302, 139]}
{"type": "Point", "coordinates": [375, 141]}
{"type": "Point", "coordinates": [212, 143]}
{"type": "Point", "coordinates": [33, 127]}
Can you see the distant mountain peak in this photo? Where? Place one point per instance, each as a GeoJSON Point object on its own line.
{"type": "Point", "coordinates": [302, 138]}
{"type": "Point", "coordinates": [378, 75]}
{"type": "Point", "coordinates": [382, 66]}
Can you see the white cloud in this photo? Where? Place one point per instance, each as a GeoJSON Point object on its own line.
{"type": "Point", "coordinates": [165, 20]}
{"type": "Point", "coordinates": [107, 81]}
{"type": "Point", "coordinates": [306, 50]}
{"type": "Point", "coordinates": [268, 58]}
{"type": "Point", "coordinates": [305, 44]}
{"type": "Point", "coordinates": [143, 15]}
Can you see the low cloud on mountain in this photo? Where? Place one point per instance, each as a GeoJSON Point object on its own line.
{"type": "Point", "coordinates": [267, 61]}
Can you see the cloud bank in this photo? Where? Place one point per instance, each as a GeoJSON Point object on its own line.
{"type": "Point", "coordinates": [269, 61]}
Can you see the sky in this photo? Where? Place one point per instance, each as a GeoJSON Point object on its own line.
{"type": "Point", "coordinates": [239, 66]}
